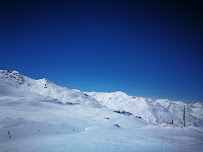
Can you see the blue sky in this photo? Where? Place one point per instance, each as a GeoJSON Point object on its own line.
{"type": "Point", "coordinates": [143, 48]}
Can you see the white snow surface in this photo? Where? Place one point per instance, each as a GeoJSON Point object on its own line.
{"type": "Point", "coordinates": [46, 88]}
{"type": "Point", "coordinates": [34, 117]}
{"type": "Point", "coordinates": [156, 111]}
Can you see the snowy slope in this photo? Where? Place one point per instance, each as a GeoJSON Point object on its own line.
{"type": "Point", "coordinates": [154, 111]}
{"type": "Point", "coordinates": [46, 88]}
{"type": "Point", "coordinates": [31, 122]}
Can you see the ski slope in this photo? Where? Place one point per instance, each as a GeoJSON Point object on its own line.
{"type": "Point", "coordinates": [156, 111]}
{"type": "Point", "coordinates": [32, 122]}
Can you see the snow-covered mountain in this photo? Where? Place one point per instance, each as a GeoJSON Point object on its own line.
{"type": "Point", "coordinates": [46, 88]}
{"type": "Point", "coordinates": [37, 115]}
{"type": "Point", "coordinates": [154, 111]}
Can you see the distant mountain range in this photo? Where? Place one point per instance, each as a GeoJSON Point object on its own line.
{"type": "Point", "coordinates": [156, 111]}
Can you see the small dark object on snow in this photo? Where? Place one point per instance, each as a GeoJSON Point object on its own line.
{"type": "Point", "coordinates": [45, 85]}
{"type": "Point", "coordinates": [117, 111]}
{"type": "Point", "coordinates": [70, 103]}
{"type": "Point", "coordinates": [86, 95]}
{"type": "Point", "coordinates": [107, 118]}
{"type": "Point", "coordinates": [123, 112]}
{"type": "Point", "coordinates": [117, 125]}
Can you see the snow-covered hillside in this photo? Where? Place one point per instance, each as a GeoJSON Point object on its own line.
{"type": "Point", "coordinates": [155, 111]}
{"type": "Point", "coordinates": [70, 120]}
{"type": "Point", "coordinates": [46, 88]}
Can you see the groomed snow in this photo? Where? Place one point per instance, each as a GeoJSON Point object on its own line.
{"type": "Point", "coordinates": [32, 122]}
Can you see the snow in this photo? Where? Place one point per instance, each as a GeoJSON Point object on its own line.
{"type": "Point", "coordinates": [46, 88]}
{"type": "Point", "coordinates": [156, 111]}
{"type": "Point", "coordinates": [39, 123]}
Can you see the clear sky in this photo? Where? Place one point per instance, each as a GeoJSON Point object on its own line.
{"type": "Point", "coordinates": [143, 48]}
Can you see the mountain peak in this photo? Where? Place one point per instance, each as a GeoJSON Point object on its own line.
{"type": "Point", "coordinates": [151, 110]}
{"type": "Point", "coordinates": [15, 72]}
{"type": "Point", "coordinates": [11, 76]}
{"type": "Point", "coordinates": [45, 80]}
{"type": "Point", "coordinates": [8, 71]}
{"type": "Point", "coordinates": [46, 88]}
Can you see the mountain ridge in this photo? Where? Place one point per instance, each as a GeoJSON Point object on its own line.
{"type": "Point", "coordinates": [156, 111]}
{"type": "Point", "coordinates": [46, 88]}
